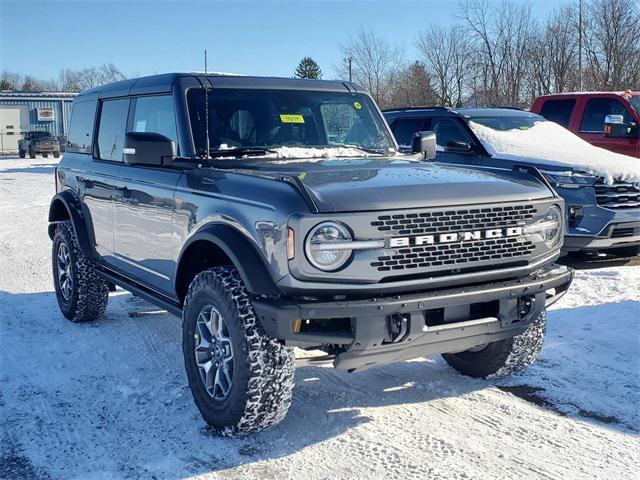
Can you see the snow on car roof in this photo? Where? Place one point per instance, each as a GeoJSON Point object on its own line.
{"type": "Point", "coordinates": [550, 142]}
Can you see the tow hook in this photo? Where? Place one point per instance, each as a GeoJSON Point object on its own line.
{"type": "Point", "coordinates": [525, 306]}
{"type": "Point", "coordinates": [397, 328]}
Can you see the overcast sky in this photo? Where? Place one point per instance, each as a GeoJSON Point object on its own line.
{"type": "Point", "coordinates": [258, 37]}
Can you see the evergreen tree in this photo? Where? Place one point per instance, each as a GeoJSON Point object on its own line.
{"type": "Point", "coordinates": [308, 68]}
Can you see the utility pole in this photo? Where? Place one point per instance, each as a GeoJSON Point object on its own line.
{"type": "Point", "coordinates": [349, 61]}
{"type": "Point", "coordinates": [580, 46]}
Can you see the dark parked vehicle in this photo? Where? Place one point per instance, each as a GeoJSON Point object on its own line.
{"type": "Point", "coordinates": [292, 220]}
{"type": "Point", "coordinates": [37, 142]}
{"type": "Point", "coordinates": [608, 120]}
{"type": "Point", "coordinates": [600, 217]}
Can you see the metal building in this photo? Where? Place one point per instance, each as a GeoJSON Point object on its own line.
{"type": "Point", "coordinates": [22, 112]}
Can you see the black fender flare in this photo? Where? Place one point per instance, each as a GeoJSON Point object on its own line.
{"type": "Point", "coordinates": [66, 205]}
{"type": "Point", "coordinates": [244, 255]}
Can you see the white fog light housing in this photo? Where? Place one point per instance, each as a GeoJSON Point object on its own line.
{"type": "Point", "coordinates": [328, 246]}
{"type": "Point", "coordinates": [549, 227]}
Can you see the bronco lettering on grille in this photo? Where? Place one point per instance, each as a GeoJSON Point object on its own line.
{"type": "Point", "coordinates": [396, 242]}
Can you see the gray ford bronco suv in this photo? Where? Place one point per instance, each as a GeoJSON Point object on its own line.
{"type": "Point", "coordinates": [272, 213]}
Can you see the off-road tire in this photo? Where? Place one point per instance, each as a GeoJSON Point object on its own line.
{"type": "Point", "coordinates": [22, 154]}
{"type": "Point", "coordinates": [56, 154]}
{"type": "Point", "coordinates": [504, 357]}
{"type": "Point", "coordinates": [32, 155]}
{"type": "Point", "coordinates": [90, 292]}
{"type": "Point", "coordinates": [263, 368]}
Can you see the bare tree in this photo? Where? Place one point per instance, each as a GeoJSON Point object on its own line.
{"type": "Point", "coordinates": [502, 37]}
{"type": "Point", "coordinates": [612, 44]}
{"type": "Point", "coordinates": [554, 56]}
{"type": "Point", "coordinates": [375, 64]}
{"type": "Point", "coordinates": [446, 53]}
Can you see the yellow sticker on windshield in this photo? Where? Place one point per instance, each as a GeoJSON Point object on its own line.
{"type": "Point", "coordinates": [291, 118]}
{"type": "Point", "coordinates": [357, 105]}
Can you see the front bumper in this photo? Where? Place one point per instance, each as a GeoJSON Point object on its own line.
{"type": "Point", "coordinates": [45, 148]}
{"type": "Point", "coordinates": [614, 235]}
{"type": "Point", "coordinates": [440, 321]}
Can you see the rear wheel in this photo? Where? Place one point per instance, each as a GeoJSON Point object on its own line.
{"type": "Point", "coordinates": [504, 357]}
{"type": "Point", "coordinates": [240, 378]}
{"type": "Point", "coordinates": [82, 295]}
{"type": "Point", "coordinates": [56, 154]}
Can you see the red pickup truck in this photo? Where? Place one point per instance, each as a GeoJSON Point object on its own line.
{"type": "Point", "coordinates": [609, 120]}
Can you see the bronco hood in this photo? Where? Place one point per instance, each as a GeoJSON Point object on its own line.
{"type": "Point", "coordinates": [365, 185]}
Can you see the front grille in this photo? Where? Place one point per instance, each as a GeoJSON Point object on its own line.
{"type": "Point", "coordinates": [621, 232]}
{"type": "Point", "coordinates": [454, 220]}
{"type": "Point", "coordinates": [617, 196]}
{"type": "Point", "coordinates": [455, 254]}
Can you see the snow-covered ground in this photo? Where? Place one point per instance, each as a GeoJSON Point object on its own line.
{"type": "Point", "coordinates": [110, 399]}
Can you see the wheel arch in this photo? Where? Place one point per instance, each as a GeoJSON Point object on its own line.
{"type": "Point", "coordinates": [66, 206]}
{"type": "Point", "coordinates": [216, 245]}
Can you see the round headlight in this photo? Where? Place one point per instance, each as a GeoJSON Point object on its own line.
{"type": "Point", "coordinates": [325, 246]}
{"type": "Point", "coordinates": [549, 227]}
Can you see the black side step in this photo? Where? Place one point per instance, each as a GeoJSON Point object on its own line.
{"type": "Point", "coordinates": [143, 292]}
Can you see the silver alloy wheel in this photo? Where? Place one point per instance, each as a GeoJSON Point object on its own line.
{"type": "Point", "coordinates": [65, 278]}
{"type": "Point", "coordinates": [214, 353]}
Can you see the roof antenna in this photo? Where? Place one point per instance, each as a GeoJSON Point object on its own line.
{"type": "Point", "coordinates": [206, 105]}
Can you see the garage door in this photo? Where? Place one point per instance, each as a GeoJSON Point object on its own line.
{"type": "Point", "coordinates": [10, 126]}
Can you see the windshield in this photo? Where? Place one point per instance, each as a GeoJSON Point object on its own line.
{"type": "Point", "coordinates": [635, 103]}
{"type": "Point", "coordinates": [269, 119]}
{"type": "Point", "coordinates": [504, 123]}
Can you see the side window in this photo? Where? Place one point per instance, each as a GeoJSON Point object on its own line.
{"type": "Point", "coordinates": [558, 111]}
{"type": "Point", "coordinates": [155, 114]}
{"type": "Point", "coordinates": [448, 132]}
{"type": "Point", "coordinates": [113, 124]}
{"type": "Point", "coordinates": [597, 109]}
{"type": "Point", "coordinates": [404, 128]}
{"type": "Point", "coordinates": [81, 129]}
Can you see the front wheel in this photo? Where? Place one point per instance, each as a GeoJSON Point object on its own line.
{"type": "Point", "coordinates": [56, 154]}
{"type": "Point", "coordinates": [504, 357]}
{"type": "Point", "coordinates": [240, 378]}
{"type": "Point", "coordinates": [82, 295]}
{"type": "Point", "coordinates": [32, 155]}
{"type": "Point", "coordinates": [22, 154]}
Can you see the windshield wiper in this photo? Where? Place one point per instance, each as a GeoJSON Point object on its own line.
{"type": "Point", "coordinates": [237, 152]}
{"type": "Point", "coordinates": [376, 151]}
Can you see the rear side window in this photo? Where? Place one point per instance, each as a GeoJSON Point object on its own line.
{"type": "Point", "coordinates": [155, 114]}
{"type": "Point", "coordinates": [597, 109]}
{"type": "Point", "coordinates": [113, 124]}
{"type": "Point", "coordinates": [81, 128]}
{"type": "Point", "coordinates": [404, 128]}
{"type": "Point", "coordinates": [558, 111]}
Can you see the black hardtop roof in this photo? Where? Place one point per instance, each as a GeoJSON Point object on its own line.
{"type": "Point", "coordinates": [464, 112]}
{"type": "Point", "coordinates": [163, 83]}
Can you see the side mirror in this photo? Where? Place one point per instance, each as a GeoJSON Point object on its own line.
{"type": "Point", "coordinates": [425, 143]}
{"type": "Point", "coordinates": [148, 148]}
{"type": "Point", "coordinates": [614, 127]}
